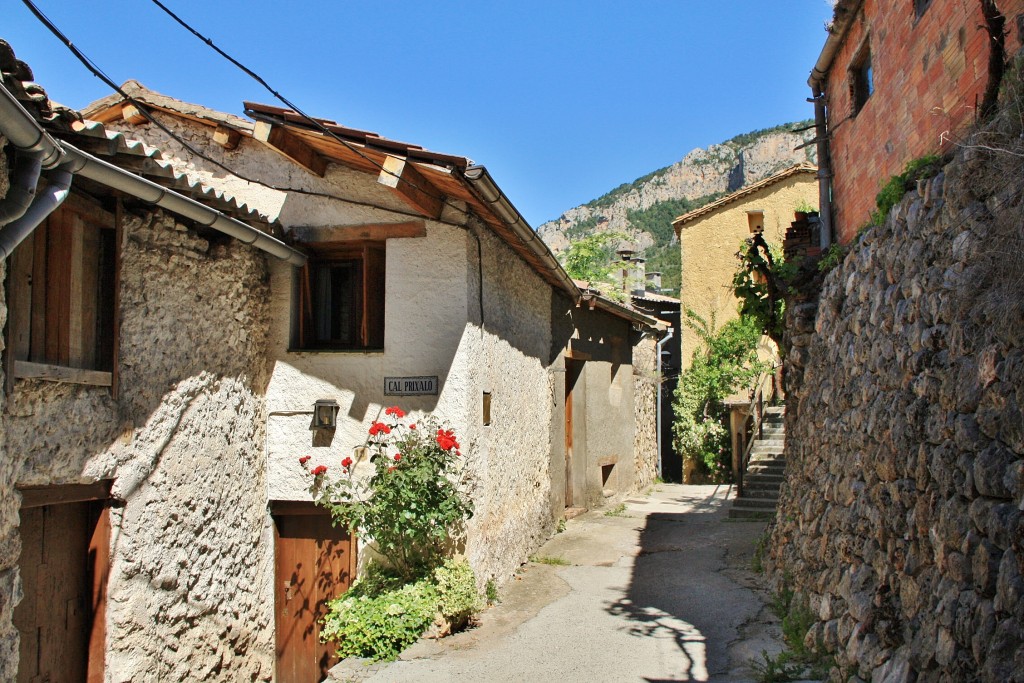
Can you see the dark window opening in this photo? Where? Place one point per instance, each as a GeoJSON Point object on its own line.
{"type": "Point", "coordinates": [862, 82]}
{"type": "Point", "coordinates": [920, 7]}
{"type": "Point", "coordinates": [487, 408]}
{"type": "Point", "coordinates": [341, 298]}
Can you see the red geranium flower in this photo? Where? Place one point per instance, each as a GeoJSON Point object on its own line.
{"type": "Point", "coordinates": [398, 456]}
{"type": "Point", "coordinates": [412, 426]}
{"type": "Point", "coordinates": [319, 469]}
{"type": "Point", "coordinates": [391, 469]}
{"type": "Point", "coordinates": [379, 428]}
{"type": "Point", "coordinates": [395, 410]}
{"type": "Point", "coordinates": [304, 459]}
{"type": "Point", "coordinates": [346, 463]}
{"type": "Point", "coordinates": [446, 439]}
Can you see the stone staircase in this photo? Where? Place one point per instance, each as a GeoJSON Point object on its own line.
{"type": "Point", "coordinates": [765, 471]}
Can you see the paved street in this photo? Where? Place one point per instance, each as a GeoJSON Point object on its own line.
{"type": "Point", "coordinates": [661, 593]}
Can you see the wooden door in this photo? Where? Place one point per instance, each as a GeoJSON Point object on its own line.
{"type": "Point", "coordinates": [315, 562]}
{"type": "Point", "coordinates": [63, 566]}
{"type": "Point", "coordinates": [572, 375]}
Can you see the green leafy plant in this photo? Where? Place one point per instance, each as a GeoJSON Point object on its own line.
{"type": "Point", "coordinates": [804, 206]}
{"type": "Point", "coordinates": [898, 185]}
{"type": "Point", "coordinates": [617, 511]}
{"type": "Point", "coordinates": [555, 560]}
{"type": "Point", "coordinates": [412, 505]}
{"type": "Point", "coordinates": [725, 361]}
{"type": "Point", "coordinates": [760, 550]}
{"type": "Point", "coordinates": [378, 619]}
{"type": "Point", "coordinates": [777, 669]}
{"type": "Point", "coordinates": [491, 592]}
{"type": "Point", "coordinates": [832, 257]}
{"type": "Point", "coordinates": [458, 599]}
{"type": "Point", "coordinates": [761, 283]}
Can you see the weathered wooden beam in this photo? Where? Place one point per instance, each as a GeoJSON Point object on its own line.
{"type": "Point", "coordinates": [131, 114]}
{"type": "Point", "coordinates": [371, 232]}
{"type": "Point", "coordinates": [291, 146]}
{"type": "Point", "coordinates": [226, 137]}
{"type": "Point", "coordinates": [59, 373]}
{"type": "Point", "coordinates": [412, 186]}
{"type": "Point", "coordinates": [38, 496]}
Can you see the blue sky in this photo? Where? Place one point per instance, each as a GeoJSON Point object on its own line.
{"type": "Point", "coordinates": [561, 100]}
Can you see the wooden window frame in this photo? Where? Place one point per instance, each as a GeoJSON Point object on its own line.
{"type": "Point", "coordinates": [368, 260]}
{"type": "Point", "coordinates": [63, 284]}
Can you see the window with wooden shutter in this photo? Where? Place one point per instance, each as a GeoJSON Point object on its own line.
{"type": "Point", "coordinates": [340, 298]}
{"type": "Point", "coordinates": [62, 285]}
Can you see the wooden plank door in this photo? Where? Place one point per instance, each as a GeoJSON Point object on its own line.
{"type": "Point", "coordinates": [63, 566]}
{"type": "Point", "coordinates": [314, 563]}
{"type": "Point", "coordinates": [572, 375]}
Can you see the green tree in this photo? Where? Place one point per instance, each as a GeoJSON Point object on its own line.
{"type": "Point", "coordinates": [591, 257]}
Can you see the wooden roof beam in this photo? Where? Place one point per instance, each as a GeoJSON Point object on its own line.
{"type": "Point", "coordinates": [291, 146]}
{"type": "Point", "coordinates": [411, 186]}
{"type": "Point", "coordinates": [226, 137]}
{"type": "Point", "coordinates": [370, 232]}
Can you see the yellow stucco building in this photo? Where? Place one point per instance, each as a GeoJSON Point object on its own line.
{"type": "Point", "coordinates": [710, 236]}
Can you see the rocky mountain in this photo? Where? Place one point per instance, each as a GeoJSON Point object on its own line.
{"type": "Point", "coordinates": [644, 208]}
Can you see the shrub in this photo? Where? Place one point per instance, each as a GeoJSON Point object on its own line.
{"type": "Point", "coordinates": [378, 620]}
{"type": "Point", "coordinates": [898, 185]}
{"type": "Point", "coordinates": [725, 361]}
{"type": "Point", "coordinates": [457, 598]}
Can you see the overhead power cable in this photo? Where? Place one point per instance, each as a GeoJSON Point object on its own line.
{"type": "Point", "coordinates": [144, 110]}
{"type": "Point", "coordinates": [294, 107]}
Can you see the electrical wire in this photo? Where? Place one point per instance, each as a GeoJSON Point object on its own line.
{"type": "Point", "coordinates": [143, 109]}
{"type": "Point", "coordinates": [284, 100]}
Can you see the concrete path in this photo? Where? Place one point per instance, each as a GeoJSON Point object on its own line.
{"type": "Point", "coordinates": [662, 593]}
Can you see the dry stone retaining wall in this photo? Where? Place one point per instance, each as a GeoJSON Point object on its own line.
{"type": "Point", "coordinates": [900, 518]}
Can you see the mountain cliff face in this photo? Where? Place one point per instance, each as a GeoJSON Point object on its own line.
{"type": "Point", "coordinates": [644, 209]}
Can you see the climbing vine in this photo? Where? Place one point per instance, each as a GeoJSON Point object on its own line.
{"type": "Point", "coordinates": [760, 283]}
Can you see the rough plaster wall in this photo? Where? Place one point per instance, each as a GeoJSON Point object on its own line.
{"type": "Point", "coordinates": [425, 334]}
{"type": "Point", "coordinates": [901, 516]}
{"type": "Point", "coordinates": [645, 398]}
{"type": "Point", "coordinates": [511, 456]}
{"type": "Point", "coordinates": [10, 544]}
{"type": "Point", "coordinates": [709, 245]}
{"type": "Point", "coordinates": [191, 566]}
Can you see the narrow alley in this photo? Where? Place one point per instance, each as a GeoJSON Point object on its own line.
{"type": "Point", "coordinates": [661, 592]}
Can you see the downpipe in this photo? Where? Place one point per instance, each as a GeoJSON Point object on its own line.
{"type": "Point", "coordinates": [22, 191]}
{"type": "Point", "coordinates": [45, 203]}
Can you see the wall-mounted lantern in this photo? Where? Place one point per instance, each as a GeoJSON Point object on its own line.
{"type": "Point", "coordinates": [325, 414]}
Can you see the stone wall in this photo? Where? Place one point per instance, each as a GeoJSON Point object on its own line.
{"type": "Point", "coordinates": [191, 550]}
{"type": "Point", "coordinates": [645, 398]}
{"type": "Point", "coordinates": [900, 519]}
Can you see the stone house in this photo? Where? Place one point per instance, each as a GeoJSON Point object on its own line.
{"type": "Point", "coordinates": [159, 426]}
{"type": "Point", "coordinates": [898, 80]}
{"type": "Point", "coordinates": [710, 236]}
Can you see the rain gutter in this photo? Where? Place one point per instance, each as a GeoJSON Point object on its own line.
{"type": "Point", "coordinates": [484, 187]}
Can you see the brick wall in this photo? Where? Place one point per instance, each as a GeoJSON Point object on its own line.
{"type": "Point", "coordinates": [929, 75]}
